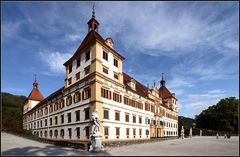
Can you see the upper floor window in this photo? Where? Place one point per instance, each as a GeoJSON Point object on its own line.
{"type": "Point", "coordinates": [87, 55]}
{"type": "Point", "coordinates": [117, 115]}
{"type": "Point", "coordinates": [106, 114]}
{"type": "Point", "coordinates": [87, 70]}
{"type": "Point", "coordinates": [117, 97]}
{"type": "Point", "coordinates": [69, 81]}
{"type": "Point", "coordinates": [106, 93]}
{"type": "Point", "coordinates": [70, 68]}
{"type": "Point", "coordinates": [78, 76]}
{"type": "Point", "coordinates": [116, 76]}
{"type": "Point", "coordinates": [105, 55]}
{"type": "Point", "coordinates": [134, 119]}
{"type": "Point", "coordinates": [105, 70]}
{"type": "Point", "coordinates": [86, 93]}
{"type": "Point", "coordinates": [69, 117]}
{"type": "Point", "coordinates": [126, 117]}
{"type": "Point", "coordinates": [78, 115]}
{"type": "Point", "coordinates": [78, 62]}
{"type": "Point", "coordinates": [86, 113]}
{"type": "Point", "coordinates": [115, 62]}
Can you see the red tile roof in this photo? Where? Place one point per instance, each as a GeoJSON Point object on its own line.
{"type": "Point", "coordinates": [35, 95]}
{"type": "Point", "coordinates": [91, 36]}
{"type": "Point", "coordinates": [164, 92]}
{"type": "Point", "coordinates": [140, 88]}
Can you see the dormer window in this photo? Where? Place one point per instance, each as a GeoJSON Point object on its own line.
{"type": "Point", "coordinates": [132, 84]}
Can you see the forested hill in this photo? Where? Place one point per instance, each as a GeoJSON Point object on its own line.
{"type": "Point", "coordinates": [12, 111]}
{"type": "Point", "coordinates": [220, 117]}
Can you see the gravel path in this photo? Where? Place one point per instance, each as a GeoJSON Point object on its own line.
{"type": "Point", "coordinates": [205, 145]}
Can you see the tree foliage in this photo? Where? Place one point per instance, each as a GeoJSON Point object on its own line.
{"type": "Point", "coordinates": [220, 117]}
{"type": "Point", "coordinates": [12, 112]}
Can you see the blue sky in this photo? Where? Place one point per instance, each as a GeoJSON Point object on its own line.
{"type": "Point", "coordinates": [195, 45]}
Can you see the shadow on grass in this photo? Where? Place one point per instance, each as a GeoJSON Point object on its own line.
{"type": "Point", "coordinates": [51, 150]}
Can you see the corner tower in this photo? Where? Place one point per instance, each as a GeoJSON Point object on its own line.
{"type": "Point", "coordinates": [33, 98]}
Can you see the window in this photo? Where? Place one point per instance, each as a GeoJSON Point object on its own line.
{"type": "Point", "coordinates": [50, 133]}
{"type": "Point", "coordinates": [134, 119]}
{"type": "Point", "coordinates": [78, 62]}
{"type": "Point", "coordinates": [78, 76]}
{"type": "Point", "coordinates": [86, 93]}
{"type": "Point", "coordinates": [78, 115]}
{"type": "Point", "coordinates": [116, 76]}
{"type": "Point", "coordinates": [45, 133]}
{"type": "Point", "coordinates": [117, 132]}
{"type": "Point", "coordinates": [105, 113]}
{"type": "Point", "coordinates": [51, 108]}
{"type": "Point", "coordinates": [106, 132]}
{"type": "Point", "coordinates": [87, 70]}
{"type": "Point", "coordinates": [41, 133]}
{"type": "Point", "coordinates": [87, 55]}
{"type": "Point", "coordinates": [134, 133]}
{"type": "Point", "coordinates": [86, 113]}
{"type": "Point", "coordinates": [69, 100]}
{"type": "Point", "coordinates": [117, 115]}
{"type": "Point", "coordinates": [77, 97]}
{"type": "Point", "coordinates": [152, 109]}
{"type": "Point", "coordinates": [40, 123]}
{"type": "Point", "coordinates": [78, 132]}
{"type": "Point", "coordinates": [115, 62]}
{"type": "Point", "coordinates": [70, 132]}
{"type": "Point", "coordinates": [46, 111]}
{"type": "Point", "coordinates": [105, 55]}
{"type": "Point", "coordinates": [126, 117]}
{"type": "Point", "coordinates": [56, 120]}
{"type": "Point", "coordinates": [87, 131]}
{"type": "Point", "coordinates": [140, 133]}
{"type": "Point", "coordinates": [45, 122]}
{"type": "Point", "coordinates": [105, 70]}
{"type": "Point", "coordinates": [50, 121]}
{"type": "Point", "coordinates": [69, 117]}
{"type": "Point", "coordinates": [62, 133]}
{"type": "Point", "coordinates": [61, 103]}
{"type": "Point", "coordinates": [147, 132]}
{"type": "Point", "coordinates": [127, 132]}
{"type": "Point", "coordinates": [147, 107]}
{"type": "Point", "coordinates": [69, 81]}
{"type": "Point", "coordinates": [62, 118]}
{"type": "Point", "coordinates": [55, 106]}
{"type": "Point", "coordinates": [56, 133]}
{"type": "Point", "coordinates": [70, 68]}
{"type": "Point", "coordinates": [117, 97]}
{"type": "Point", "coordinates": [106, 93]}
{"type": "Point", "coordinates": [140, 120]}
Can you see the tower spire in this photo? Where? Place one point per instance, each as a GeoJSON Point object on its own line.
{"type": "Point", "coordinates": [93, 23]}
{"type": "Point", "coordinates": [93, 11]}
{"type": "Point", "coordinates": [35, 84]}
{"type": "Point", "coordinates": [162, 82]}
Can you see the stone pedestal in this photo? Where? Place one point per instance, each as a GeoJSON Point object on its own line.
{"type": "Point", "coordinates": [96, 141]}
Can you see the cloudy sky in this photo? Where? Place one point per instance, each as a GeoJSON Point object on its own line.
{"type": "Point", "coordinates": [195, 45]}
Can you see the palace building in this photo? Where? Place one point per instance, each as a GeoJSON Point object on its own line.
{"type": "Point", "coordinates": [95, 81]}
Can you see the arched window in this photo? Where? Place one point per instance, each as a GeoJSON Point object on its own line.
{"type": "Point", "coordinates": [62, 133]}
{"type": "Point", "coordinates": [40, 133]}
{"type": "Point", "coordinates": [147, 132]}
{"type": "Point", "coordinates": [56, 133]}
{"type": "Point", "coordinates": [50, 133]}
{"type": "Point", "coordinates": [45, 133]}
{"type": "Point", "coordinates": [51, 108]}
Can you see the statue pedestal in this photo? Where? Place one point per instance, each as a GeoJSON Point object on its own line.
{"type": "Point", "coordinates": [96, 141]}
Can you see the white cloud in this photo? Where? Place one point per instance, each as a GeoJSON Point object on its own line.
{"type": "Point", "coordinates": [195, 103]}
{"type": "Point", "coordinates": [55, 61]}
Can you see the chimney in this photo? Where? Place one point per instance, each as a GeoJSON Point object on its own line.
{"type": "Point", "coordinates": [109, 42]}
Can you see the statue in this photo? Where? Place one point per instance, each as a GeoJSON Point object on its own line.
{"type": "Point", "coordinates": [182, 133]}
{"type": "Point", "coordinates": [200, 132]}
{"type": "Point", "coordinates": [96, 137]}
{"type": "Point", "coordinates": [190, 132]}
{"type": "Point", "coordinates": [96, 122]}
